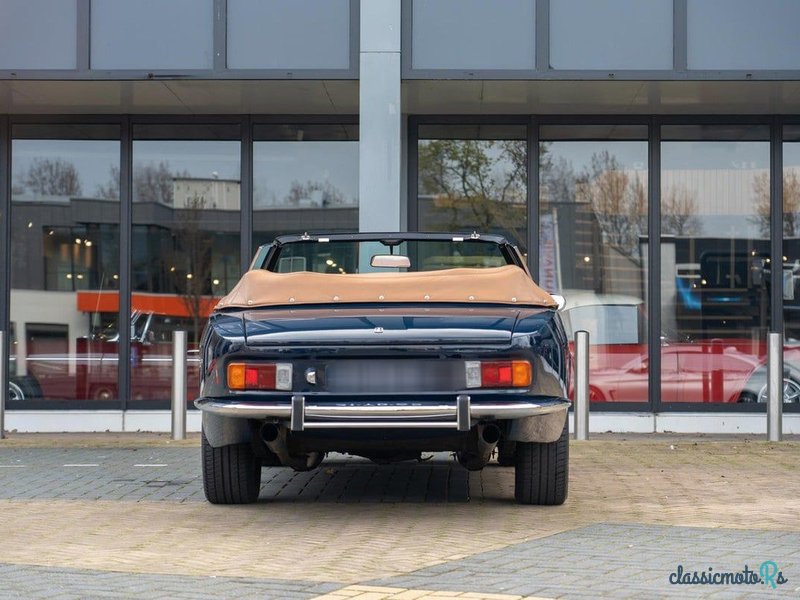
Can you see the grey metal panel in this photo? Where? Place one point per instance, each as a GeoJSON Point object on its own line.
{"type": "Point", "coordinates": [37, 34]}
{"type": "Point", "coordinates": [679, 35]}
{"type": "Point", "coordinates": [776, 225]}
{"type": "Point", "coordinates": [379, 141]}
{"type": "Point", "coordinates": [603, 74]}
{"type": "Point", "coordinates": [742, 34]}
{"type": "Point", "coordinates": [152, 34]}
{"type": "Point", "coordinates": [289, 34]}
{"type": "Point", "coordinates": [542, 39]}
{"type": "Point", "coordinates": [383, 33]}
{"type": "Point", "coordinates": [411, 74]}
{"type": "Point", "coordinates": [83, 35]}
{"type": "Point", "coordinates": [220, 47]}
{"type": "Point", "coordinates": [406, 38]}
{"type": "Point", "coordinates": [355, 37]}
{"type": "Point", "coordinates": [473, 34]}
{"type": "Point", "coordinates": [219, 70]}
{"type": "Point", "coordinates": [611, 35]}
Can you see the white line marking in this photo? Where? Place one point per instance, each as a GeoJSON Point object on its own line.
{"type": "Point", "coordinates": [152, 465]}
{"type": "Point", "coordinates": [12, 466]}
{"type": "Point", "coordinates": [82, 465]}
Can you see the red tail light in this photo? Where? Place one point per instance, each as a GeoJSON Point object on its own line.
{"type": "Point", "coordinates": [498, 374]}
{"type": "Point", "coordinates": [260, 376]}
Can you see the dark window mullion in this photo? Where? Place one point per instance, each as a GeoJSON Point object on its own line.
{"type": "Point", "coordinates": [654, 263]}
{"type": "Point", "coordinates": [125, 247]}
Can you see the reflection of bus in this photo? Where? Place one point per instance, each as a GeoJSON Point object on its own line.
{"type": "Point", "coordinates": [65, 345]}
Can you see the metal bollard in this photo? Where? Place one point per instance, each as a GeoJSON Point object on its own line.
{"type": "Point", "coordinates": [3, 383]}
{"type": "Point", "coordinates": [581, 408]}
{"type": "Point", "coordinates": [775, 387]}
{"type": "Point", "coordinates": [179, 385]}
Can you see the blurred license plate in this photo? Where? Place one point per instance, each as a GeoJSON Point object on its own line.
{"type": "Point", "coordinates": [395, 376]}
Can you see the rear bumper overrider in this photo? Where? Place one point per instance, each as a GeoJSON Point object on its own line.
{"type": "Point", "coordinates": [537, 416]}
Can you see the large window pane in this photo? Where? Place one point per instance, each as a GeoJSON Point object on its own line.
{"type": "Point", "coordinates": [473, 34]}
{"type": "Point", "coordinates": [742, 34]}
{"type": "Point", "coordinates": [593, 248]}
{"type": "Point", "coordinates": [615, 34]}
{"type": "Point", "coordinates": [790, 277]}
{"type": "Point", "coordinates": [152, 34]}
{"type": "Point", "coordinates": [64, 266]}
{"type": "Point", "coordinates": [305, 178]}
{"type": "Point", "coordinates": [289, 34]}
{"type": "Point", "coordinates": [185, 250]}
{"type": "Point", "coordinates": [715, 263]}
{"type": "Point", "coordinates": [38, 34]}
{"type": "Point", "coordinates": [474, 178]}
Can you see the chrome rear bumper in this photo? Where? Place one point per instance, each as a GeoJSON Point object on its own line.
{"type": "Point", "coordinates": [302, 413]}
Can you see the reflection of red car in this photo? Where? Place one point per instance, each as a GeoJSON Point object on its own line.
{"type": "Point", "coordinates": [91, 372]}
{"type": "Point", "coordinates": [715, 370]}
{"type": "Point", "coordinates": [703, 371]}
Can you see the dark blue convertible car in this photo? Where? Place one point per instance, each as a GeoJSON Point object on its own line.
{"type": "Point", "coordinates": [385, 346]}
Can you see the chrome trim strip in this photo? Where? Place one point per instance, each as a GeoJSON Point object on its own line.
{"type": "Point", "coordinates": [390, 415]}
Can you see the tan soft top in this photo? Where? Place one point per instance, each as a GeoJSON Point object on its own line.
{"type": "Point", "coordinates": [505, 285]}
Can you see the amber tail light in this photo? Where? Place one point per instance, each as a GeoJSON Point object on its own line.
{"type": "Point", "coordinates": [260, 376]}
{"type": "Point", "coordinates": [498, 374]}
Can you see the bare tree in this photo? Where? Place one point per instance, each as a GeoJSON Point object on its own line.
{"type": "Point", "coordinates": [618, 199]}
{"type": "Point", "coordinates": [679, 212]}
{"type": "Point", "coordinates": [329, 194]}
{"type": "Point", "coordinates": [152, 182]}
{"type": "Point", "coordinates": [558, 181]}
{"type": "Point", "coordinates": [476, 183]}
{"type": "Point", "coordinates": [791, 203]}
{"type": "Point", "coordinates": [52, 177]}
{"type": "Point", "coordinates": [109, 190]}
{"type": "Point", "coordinates": [193, 246]}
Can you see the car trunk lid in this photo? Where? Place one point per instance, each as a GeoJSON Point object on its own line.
{"type": "Point", "coordinates": [380, 325]}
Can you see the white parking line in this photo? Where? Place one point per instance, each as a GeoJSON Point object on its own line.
{"type": "Point", "coordinates": [12, 466]}
{"type": "Point", "coordinates": [82, 465]}
{"type": "Point", "coordinates": [152, 465]}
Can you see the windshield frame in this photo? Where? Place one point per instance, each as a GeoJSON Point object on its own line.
{"type": "Point", "coordinates": [267, 256]}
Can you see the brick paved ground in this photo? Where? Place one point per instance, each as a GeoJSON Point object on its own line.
{"type": "Point", "coordinates": [86, 516]}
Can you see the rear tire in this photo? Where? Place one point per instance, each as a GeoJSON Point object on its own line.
{"type": "Point", "coordinates": [541, 473]}
{"type": "Point", "coordinates": [505, 453]}
{"type": "Point", "coordinates": [231, 474]}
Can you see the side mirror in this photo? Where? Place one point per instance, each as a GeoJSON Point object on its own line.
{"type": "Point", "coordinates": [560, 301]}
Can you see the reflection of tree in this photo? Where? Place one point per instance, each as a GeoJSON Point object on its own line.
{"type": "Point", "coordinates": [111, 189]}
{"type": "Point", "coordinates": [486, 179]}
{"type": "Point", "coordinates": [618, 199]}
{"type": "Point", "coordinates": [791, 203]}
{"type": "Point", "coordinates": [679, 212]}
{"type": "Point", "coordinates": [52, 177]}
{"type": "Point", "coordinates": [329, 194]}
{"type": "Point", "coordinates": [151, 183]}
{"type": "Point", "coordinates": [193, 250]}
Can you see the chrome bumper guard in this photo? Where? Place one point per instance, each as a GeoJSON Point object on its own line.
{"type": "Point", "coordinates": [303, 415]}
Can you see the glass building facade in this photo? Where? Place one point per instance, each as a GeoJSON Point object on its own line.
{"type": "Point", "coordinates": [643, 155]}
